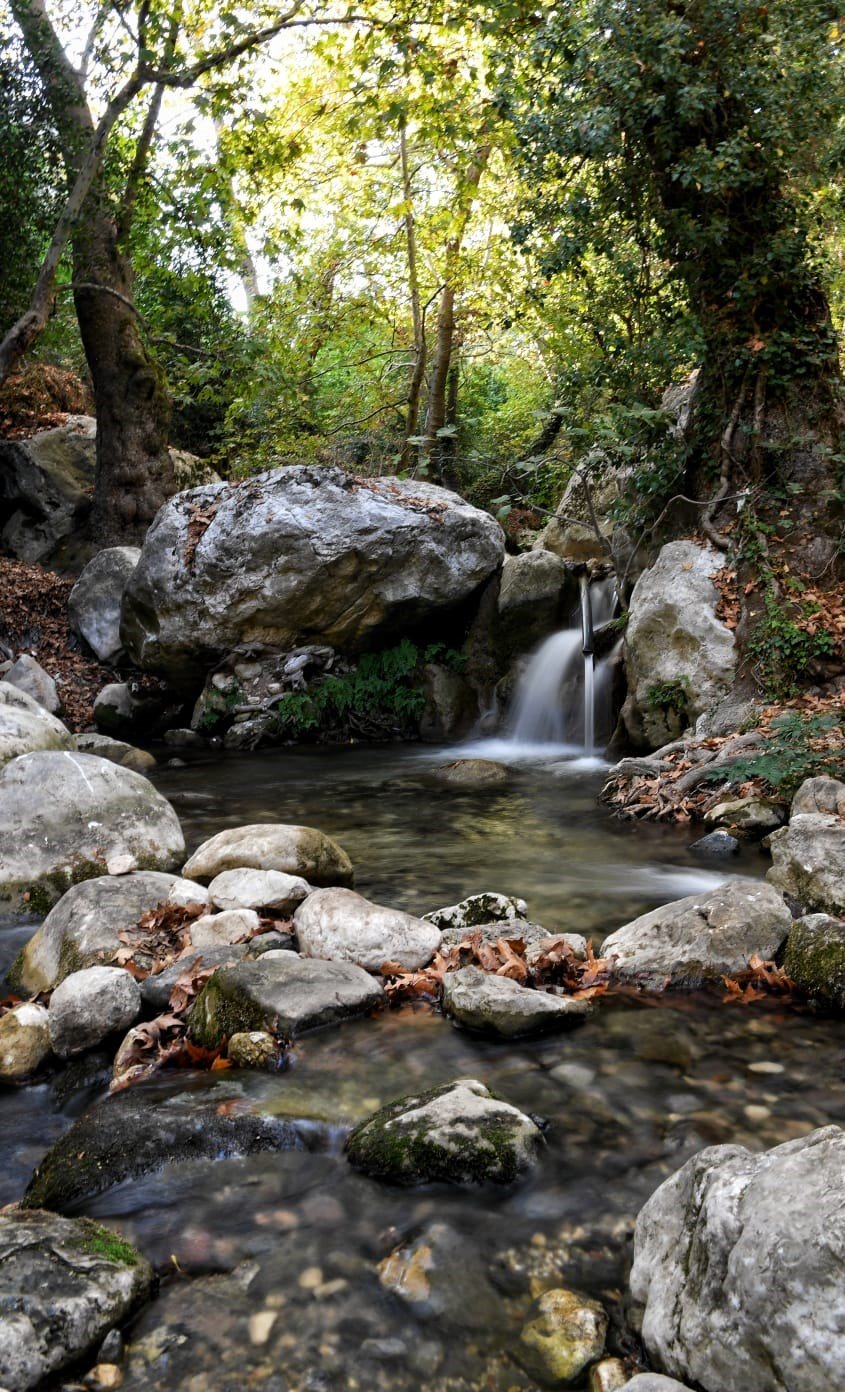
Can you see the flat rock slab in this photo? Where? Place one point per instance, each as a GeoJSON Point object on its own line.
{"type": "Point", "coordinates": [343, 926]}
{"type": "Point", "coordinates": [67, 817]}
{"type": "Point", "coordinates": [283, 993]}
{"type": "Point", "coordinates": [460, 1134]}
{"type": "Point", "coordinates": [738, 1267]}
{"type": "Point", "coordinates": [294, 850]}
{"type": "Point", "coordinates": [83, 930]}
{"type": "Point", "coordinates": [701, 938]}
{"type": "Point", "coordinates": [137, 1132]}
{"type": "Point", "coordinates": [497, 1005]}
{"type": "Point", "coordinates": [64, 1283]}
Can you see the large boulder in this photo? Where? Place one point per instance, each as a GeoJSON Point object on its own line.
{"type": "Point", "coordinates": [535, 592]}
{"type": "Point", "coordinates": [66, 817]}
{"type": "Point", "coordinates": [46, 483]}
{"type": "Point", "coordinates": [738, 1262]}
{"type": "Point", "coordinates": [295, 850]}
{"type": "Point", "coordinates": [459, 1133]}
{"type": "Point", "coordinates": [94, 602]}
{"type": "Point", "coordinates": [815, 958]}
{"type": "Point", "coordinates": [680, 658]}
{"type": "Point", "coordinates": [296, 555]}
{"type": "Point", "coordinates": [89, 1005]}
{"type": "Point", "coordinates": [344, 927]}
{"type": "Point", "coordinates": [808, 861]}
{"type": "Point", "coordinates": [84, 929]}
{"type": "Point", "coordinates": [701, 938]}
{"type": "Point", "coordinates": [283, 993]}
{"type": "Point", "coordinates": [496, 1005]}
{"type": "Point", "coordinates": [64, 1283]}
{"type": "Point", "coordinates": [25, 726]}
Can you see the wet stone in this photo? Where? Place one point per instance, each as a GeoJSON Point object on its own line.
{"type": "Point", "coordinates": [496, 1005]}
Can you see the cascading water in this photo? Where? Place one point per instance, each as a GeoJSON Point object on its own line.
{"type": "Point", "coordinates": [557, 695]}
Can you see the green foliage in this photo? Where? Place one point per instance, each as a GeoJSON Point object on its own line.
{"type": "Point", "coordinates": [669, 696]}
{"type": "Point", "coordinates": [782, 649]}
{"type": "Point", "coordinates": [797, 747]}
{"type": "Point", "coordinates": [384, 690]}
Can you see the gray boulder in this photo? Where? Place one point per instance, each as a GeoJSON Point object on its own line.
{"type": "Point", "coordinates": [680, 659]}
{"type": "Point", "coordinates": [459, 1133]}
{"type": "Point", "coordinates": [294, 850]}
{"type": "Point", "coordinates": [823, 795]}
{"type": "Point", "coordinates": [258, 889]}
{"type": "Point", "coordinates": [738, 1262]}
{"type": "Point", "coordinates": [94, 602]}
{"type": "Point", "coordinates": [297, 555]}
{"type": "Point", "coordinates": [24, 1042]}
{"type": "Point", "coordinates": [344, 927]}
{"type": "Point", "coordinates": [808, 861]}
{"type": "Point", "coordinates": [535, 590]}
{"type": "Point", "coordinates": [815, 958]}
{"type": "Point", "coordinates": [66, 817]}
{"type": "Point", "coordinates": [496, 1005]}
{"type": "Point", "coordinates": [701, 938]}
{"type": "Point", "coordinates": [89, 1005]}
{"type": "Point", "coordinates": [716, 845]}
{"type": "Point", "coordinates": [64, 1283]}
{"type": "Point", "coordinates": [29, 676]}
{"type": "Point", "coordinates": [25, 726]}
{"type": "Point", "coordinates": [283, 993]}
{"type": "Point", "coordinates": [84, 928]}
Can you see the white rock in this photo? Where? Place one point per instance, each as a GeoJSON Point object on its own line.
{"type": "Point", "coordinates": [258, 889]}
{"type": "Point", "coordinates": [231, 927]}
{"type": "Point", "coordinates": [495, 1004]}
{"type": "Point", "coordinates": [26, 726]}
{"type": "Point", "coordinates": [294, 850]}
{"type": "Point", "coordinates": [342, 926]}
{"type": "Point", "coordinates": [89, 1005]}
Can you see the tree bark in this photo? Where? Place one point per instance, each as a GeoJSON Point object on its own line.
{"type": "Point", "coordinates": [417, 314]}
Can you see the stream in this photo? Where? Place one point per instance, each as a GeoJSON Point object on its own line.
{"type": "Point", "coordinates": [269, 1263]}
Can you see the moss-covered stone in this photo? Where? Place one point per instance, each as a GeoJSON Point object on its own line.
{"type": "Point", "coordinates": [815, 958]}
{"type": "Point", "coordinates": [457, 1134]}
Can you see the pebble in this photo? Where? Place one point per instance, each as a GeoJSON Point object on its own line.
{"type": "Point", "coordinates": [757, 1113]}
{"type": "Point", "coordinates": [311, 1278]}
{"type": "Point", "coordinates": [577, 1075]}
{"type": "Point", "coordinates": [766, 1066]}
{"type": "Point", "coordinates": [261, 1325]}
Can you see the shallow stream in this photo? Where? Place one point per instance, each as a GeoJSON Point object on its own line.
{"type": "Point", "coordinates": [269, 1263]}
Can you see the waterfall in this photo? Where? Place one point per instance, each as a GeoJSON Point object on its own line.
{"type": "Point", "coordinates": [557, 695]}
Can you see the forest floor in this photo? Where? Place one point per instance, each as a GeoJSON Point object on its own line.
{"type": "Point", "coordinates": [33, 619]}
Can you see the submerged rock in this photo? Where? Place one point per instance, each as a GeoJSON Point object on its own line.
{"type": "Point", "coordinates": [134, 1133]}
{"type": "Point", "coordinates": [479, 909]}
{"type": "Point", "coordinates": [496, 1005]}
{"type": "Point", "coordinates": [701, 938]}
{"type": "Point", "coordinates": [564, 1332]}
{"type": "Point", "coordinates": [459, 1133]}
{"type": "Point", "coordinates": [90, 1005]}
{"type": "Point", "coordinates": [439, 1275]}
{"type": "Point", "coordinates": [680, 658]}
{"type": "Point", "coordinates": [716, 845]}
{"type": "Point", "coordinates": [94, 602]}
{"type": "Point", "coordinates": [84, 928]}
{"type": "Point", "coordinates": [294, 850]}
{"type": "Point", "coordinates": [25, 726]}
{"type": "Point", "coordinates": [283, 993]}
{"type": "Point", "coordinates": [257, 1049]}
{"type": "Point", "coordinates": [64, 1283]}
{"type": "Point", "coordinates": [808, 861]}
{"type": "Point", "coordinates": [258, 889]}
{"type": "Point", "coordinates": [738, 1262]}
{"type": "Point", "coordinates": [302, 555]}
{"type": "Point", "coordinates": [473, 773]}
{"type": "Point", "coordinates": [24, 1042]}
{"type": "Point", "coordinates": [815, 958]}
{"type": "Point", "coordinates": [341, 925]}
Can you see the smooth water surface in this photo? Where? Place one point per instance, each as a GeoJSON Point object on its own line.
{"type": "Point", "coordinates": [270, 1262]}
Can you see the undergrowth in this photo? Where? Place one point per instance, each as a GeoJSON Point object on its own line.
{"type": "Point", "coordinates": [799, 746]}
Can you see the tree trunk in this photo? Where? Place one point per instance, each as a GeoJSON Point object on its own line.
{"type": "Point", "coordinates": [417, 314]}
{"type": "Point", "coordinates": [435, 416]}
{"type": "Point", "coordinates": [134, 471]}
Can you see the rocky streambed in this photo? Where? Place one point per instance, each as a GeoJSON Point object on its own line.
{"type": "Point", "coordinates": [290, 1256]}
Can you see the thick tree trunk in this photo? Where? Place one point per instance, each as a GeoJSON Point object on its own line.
{"type": "Point", "coordinates": [435, 416]}
{"type": "Point", "coordinates": [134, 474]}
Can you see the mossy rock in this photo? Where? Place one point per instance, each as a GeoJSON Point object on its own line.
{"type": "Point", "coordinates": [456, 1134]}
{"type": "Point", "coordinates": [815, 958]}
